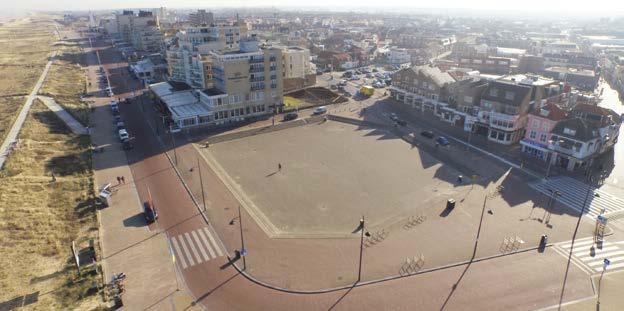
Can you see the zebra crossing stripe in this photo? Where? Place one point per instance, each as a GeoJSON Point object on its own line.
{"type": "Point", "coordinates": [615, 266]}
{"type": "Point", "coordinates": [186, 251]}
{"type": "Point", "coordinates": [199, 245]}
{"type": "Point", "coordinates": [203, 236]}
{"type": "Point", "coordinates": [178, 252]}
{"type": "Point", "coordinates": [213, 242]}
{"type": "Point", "coordinates": [192, 246]}
{"type": "Point", "coordinates": [578, 244]}
{"type": "Point", "coordinates": [605, 250]}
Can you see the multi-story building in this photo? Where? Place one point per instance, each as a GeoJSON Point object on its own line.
{"type": "Point", "coordinates": [141, 31]}
{"type": "Point", "coordinates": [541, 122]}
{"type": "Point", "coordinates": [422, 87]}
{"type": "Point", "coordinates": [488, 65]}
{"type": "Point", "coordinates": [573, 143]}
{"type": "Point", "coordinates": [607, 121]}
{"type": "Point", "coordinates": [189, 61]}
{"type": "Point", "coordinates": [583, 79]}
{"type": "Point", "coordinates": [201, 17]}
{"type": "Point", "coordinates": [398, 56]}
{"type": "Point", "coordinates": [297, 71]}
{"type": "Point", "coordinates": [245, 84]}
{"type": "Point", "coordinates": [503, 111]}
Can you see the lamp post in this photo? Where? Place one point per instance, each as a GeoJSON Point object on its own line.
{"type": "Point", "coordinates": [605, 264]}
{"type": "Point", "coordinates": [201, 184]}
{"type": "Point", "coordinates": [363, 232]}
{"type": "Point", "coordinates": [243, 251]}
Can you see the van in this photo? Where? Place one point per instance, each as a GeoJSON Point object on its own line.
{"type": "Point", "coordinates": [320, 110]}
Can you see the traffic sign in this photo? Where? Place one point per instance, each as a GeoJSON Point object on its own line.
{"type": "Point", "coordinates": [243, 252]}
{"type": "Point", "coordinates": [601, 219]}
{"type": "Point", "coordinates": [606, 262]}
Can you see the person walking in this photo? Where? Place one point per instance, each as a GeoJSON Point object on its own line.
{"type": "Point", "coordinates": [118, 180]}
{"type": "Point", "coordinates": [123, 180]}
{"type": "Point", "coordinates": [279, 166]}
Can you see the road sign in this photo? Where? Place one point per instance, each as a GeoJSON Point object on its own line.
{"type": "Point", "coordinates": [606, 262]}
{"type": "Point", "coordinates": [243, 252]}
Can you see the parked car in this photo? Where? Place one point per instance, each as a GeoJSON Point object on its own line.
{"type": "Point", "coordinates": [120, 125]}
{"type": "Point", "coordinates": [442, 141]}
{"type": "Point", "coordinates": [114, 106]}
{"type": "Point", "coordinates": [401, 122]}
{"type": "Point", "coordinates": [149, 212]}
{"type": "Point", "coordinates": [320, 110]}
{"type": "Point", "coordinates": [393, 117]}
{"type": "Point", "coordinates": [428, 134]}
{"type": "Point", "coordinates": [291, 116]}
{"type": "Point", "coordinates": [127, 145]}
{"type": "Point", "coordinates": [123, 135]}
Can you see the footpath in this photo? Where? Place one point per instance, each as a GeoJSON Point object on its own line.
{"type": "Point", "coordinates": [127, 243]}
{"type": "Point", "coordinates": [21, 117]}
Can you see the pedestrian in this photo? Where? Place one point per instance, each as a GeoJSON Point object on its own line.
{"type": "Point", "coordinates": [279, 166]}
{"type": "Point", "coordinates": [53, 177]}
{"type": "Point", "coordinates": [123, 180]}
{"type": "Point", "coordinates": [118, 180]}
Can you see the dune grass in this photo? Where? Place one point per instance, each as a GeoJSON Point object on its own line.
{"type": "Point", "coordinates": [9, 108]}
{"type": "Point", "coordinates": [39, 217]}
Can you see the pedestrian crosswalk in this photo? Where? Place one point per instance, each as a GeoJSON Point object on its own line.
{"type": "Point", "coordinates": [590, 256]}
{"type": "Point", "coordinates": [194, 247]}
{"type": "Point", "coordinates": [574, 192]}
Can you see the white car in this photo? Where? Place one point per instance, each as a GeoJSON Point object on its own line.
{"type": "Point", "coordinates": [123, 135]}
{"type": "Point", "coordinates": [320, 110]}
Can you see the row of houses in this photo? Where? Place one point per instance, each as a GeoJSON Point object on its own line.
{"type": "Point", "coordinates": [539, 113]}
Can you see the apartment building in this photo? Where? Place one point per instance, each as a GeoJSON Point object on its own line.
{"type": "Point", "coordinates": [422, 87]}
{"type": "Point", "coordinates": [297, 72]}
{"type": "Point", "coordinates": [244, 84]}
{"type": "Point", "coordinates": [503, 111]}
{"type": "Point", "coordinates": [488, 65]}
{"type": "Point", "coordinates": [190, 62]}
{"type": "Point", "coordinates": [573, 143]}
{"type": "Point", "coordinates": [140, 30]}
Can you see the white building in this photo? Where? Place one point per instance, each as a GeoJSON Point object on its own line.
{"type": "Point", "coordinates": [398, 56]}
{"type": "Point", "coordinates": [296, 62]}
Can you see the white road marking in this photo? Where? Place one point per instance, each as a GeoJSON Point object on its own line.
{"type": "Point", "coordinates": [213, 242]}
{"type": "Point", "coordinates": [186, 251]}
{"type": "Point", "coordinates": [179, 253]}
{"type": "Point", "coordinates": [195, 252]}
{"type": "Point", "coordinates": [203, 236]}
{"type": "Point", "coordinates": [199, 245]}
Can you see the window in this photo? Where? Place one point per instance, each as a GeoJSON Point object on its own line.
{"type": "Point", "coordinates": [490, 62]}
{"type": "Point", "coordinates": [494, 92]}
{"type": "Point", "coordinates": [509, 95]}
{"type": "Point", "coordinates": [493, 134]}
{"type": "Point", "coordinates": [543, 138]}
{"type": "Point", "coordinates": [487, 105]}
{"type": "Point", "coordinates": [477, 61]}
{"type": "Point", "coordinates": [467, 99]}
{"type": "Point", "coordinates": [569, 131]}
{"type": "Point", "coordinates": [532, 134]}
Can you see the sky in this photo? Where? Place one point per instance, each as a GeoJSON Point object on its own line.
{"type": "Point", "coordinates": [605, 7]}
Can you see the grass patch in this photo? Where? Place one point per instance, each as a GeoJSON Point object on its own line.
{"type": "Point", "coordinates": [66, 83]}
{"type": "Point", "coordinates": [291, 103]}
{"type": "Point", "coordinates": [9, 109]}
{"type": "Point", "coordinates": [19, 80]}
{"type": "Point", "coordinates": [39, 218]}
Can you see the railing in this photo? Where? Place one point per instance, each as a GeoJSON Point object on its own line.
{"type": "Point", "coordinates": [256, 79]}
{"type": "Point", "coordinates": [272, 58]}
{"type": "Point", "coordinates": [256, 87]}
{"type": "Point", "coordinates": [256, 69]}
{"type": "Point", "coordinates": [256, 60]}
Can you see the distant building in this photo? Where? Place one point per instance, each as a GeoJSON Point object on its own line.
{"type": "Point", "coordinates": [422, 87]}
{"type": "Point", "coordinates": [398, 56]}
{"type": "Point", "coordinates": [531, 64]}
{"type": "Point", "coordinates": [488, 65]}
{"type": "Point", "coordinates": [141, 31]}
{"type": "Point", "coordinates": [297, 72]}
{"type": "Point", "coordinates": [201, 18]}
{"type": "Point", "coordinates": [583, 79]}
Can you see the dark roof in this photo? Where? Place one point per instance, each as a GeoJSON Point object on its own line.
{"type": "Point", "coordinates": [213, 92]}
{"type": "Point", "coordinates": [600, 113]}
{"type": "Point", "coordinates": [179, 86]}
{"type": "Point", "coordinates": [520, 93]}
{"type": "Point", "coordinates": [439, 77]}
{"type": "Point", "coordinates": [550, 111]}
{"type": "Point", "coordinates": [585, 130]}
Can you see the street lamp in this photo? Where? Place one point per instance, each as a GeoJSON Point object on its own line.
{"type": "Point", "coordinates": [243, 252]}
{"type": "Point", "coordinates": [605, 264]}
{"type": "Point", "coordinates": [363, 232]}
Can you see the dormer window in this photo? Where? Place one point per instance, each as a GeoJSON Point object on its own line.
{"type": "Point", "coordinates": [544, 112]}
{"type": "Point", "coordinates": [569, 131]}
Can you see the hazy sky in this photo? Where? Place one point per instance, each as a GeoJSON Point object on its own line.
{"type": "Point", "coordinates": [609, 7]}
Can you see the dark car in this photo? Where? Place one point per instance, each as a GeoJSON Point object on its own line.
{"type": "Point", "coordinates": [290, 116]}
{"type": "Point", "coordinates": [393, 116]}
{"type": "Point", "coordinates": [401, 122]}
{"type": "Point", "coordinates": [127, 145]}
{"type": "Point", "coordinates": [149, 212]}
{"type": "Point", "coordinates": [428, 134]}
{"type": "Point", "coordinates": [442, 141]}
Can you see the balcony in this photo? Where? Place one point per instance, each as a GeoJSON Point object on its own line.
{"type": "Point", "coordinates": [273, 68]}
{"type": "Point", "coordinates": [273, 86]}
{"type": "Point", "coordinates": [272, 58]}
{"type": "Point", "coordinates": [256, 79]}
{"type": "Point", "coordinates": [256, 60]}
{"type": "Point", "coordinates": [256, 69]}
{"type": "Point", "coordinates": [257, 86]}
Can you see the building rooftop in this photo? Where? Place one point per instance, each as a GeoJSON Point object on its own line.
{"type": "Point", "coordinates": [213, 92]}
{"type": "Point", "coordinates": [506, 93]}
{"type": "Point", "coordinates": [550, 111]}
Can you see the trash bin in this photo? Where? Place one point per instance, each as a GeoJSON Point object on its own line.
{"type": "Point", "coordinates": [450, 204]}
